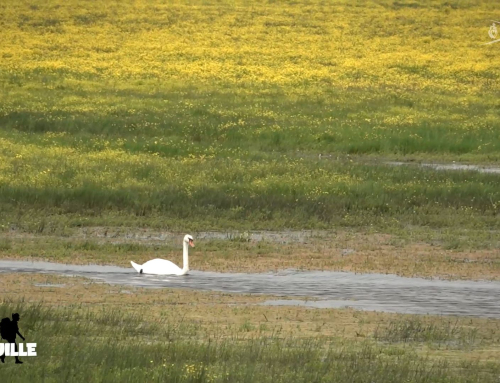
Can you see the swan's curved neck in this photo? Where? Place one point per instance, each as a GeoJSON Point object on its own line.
{"type": "Point", "coordinates": [185, 259]}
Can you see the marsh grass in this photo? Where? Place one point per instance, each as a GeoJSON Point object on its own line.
{"type": "Point", "coordinates": [133, 115]}
{"type": "Point", "coordinates": [442, 333]}
{"type": "Point", "coordinates": [42, 192]}
{"type": "Point", "coordinates": [416, 252]}
{"type": "Point", "coordinates": [5, 244]}
{"type": "Point", "coordinates": [100, 345]}
{"type": "Point", "coordinates": [214, 134]}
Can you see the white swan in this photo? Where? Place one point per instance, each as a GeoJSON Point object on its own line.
{"type": "Point", "coordinates": [164, 267]}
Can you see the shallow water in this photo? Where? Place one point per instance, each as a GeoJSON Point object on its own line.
{"type": "Point", "coordinates": [374, 292]}
{"type": "Point", "coordinates": [455, 167]}
{"type": "Point", "coordinates": [150, 236]}
{"type": "Point", "coordinates": [49, 285]}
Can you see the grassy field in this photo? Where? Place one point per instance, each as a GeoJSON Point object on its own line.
{"type": "Point", "coordinates": [91, 333]}
{"type": "Point", "coordinates": [123, 120]}
{"type": "Point", "coordinates": [211, 115]}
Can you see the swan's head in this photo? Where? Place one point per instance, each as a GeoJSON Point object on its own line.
{"type": "Point", "coordinates": [189, 239]}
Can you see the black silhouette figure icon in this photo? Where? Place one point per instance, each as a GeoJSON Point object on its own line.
{"type": "Point", "coordinates": [9, 330]}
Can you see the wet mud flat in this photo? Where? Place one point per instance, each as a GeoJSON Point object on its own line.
{"type": "Point", "coordinates": [324, 289]}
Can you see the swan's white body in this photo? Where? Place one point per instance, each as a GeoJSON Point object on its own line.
{"type": "Point", "coordinates": [164, 267]}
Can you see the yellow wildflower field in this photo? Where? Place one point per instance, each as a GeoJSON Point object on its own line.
{"type": "Point", "coordinates": [294, 44]}
{"type": "Point", "coordinates": [145, 106]}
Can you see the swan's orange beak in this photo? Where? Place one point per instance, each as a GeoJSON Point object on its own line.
{"type": "Point", "coordinates": [191, 243]}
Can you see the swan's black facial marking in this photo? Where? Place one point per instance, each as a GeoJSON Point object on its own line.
{"type": "Point", "coordinates": [140, 272]}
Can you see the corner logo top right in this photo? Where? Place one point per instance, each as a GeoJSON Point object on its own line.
{"type": "Point", "coordinates": [493, 32]}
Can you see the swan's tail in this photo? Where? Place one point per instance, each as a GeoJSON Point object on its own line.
{"type": "Point", "coordinates": [137, 267]}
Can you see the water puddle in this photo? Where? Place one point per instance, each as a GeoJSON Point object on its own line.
{"type": "Point", "coordinates": [288, 236]}
{"type": "Point", "coordinates": [455, 167]}
{"type": "Point", "coordinates": [49, 285]}
{"type": "Point", "coordinates": [333, 303]}
{"type": "Point", "coordinates": [375, 292]}
{"type": "Point", "coordinates": [148, 236]}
